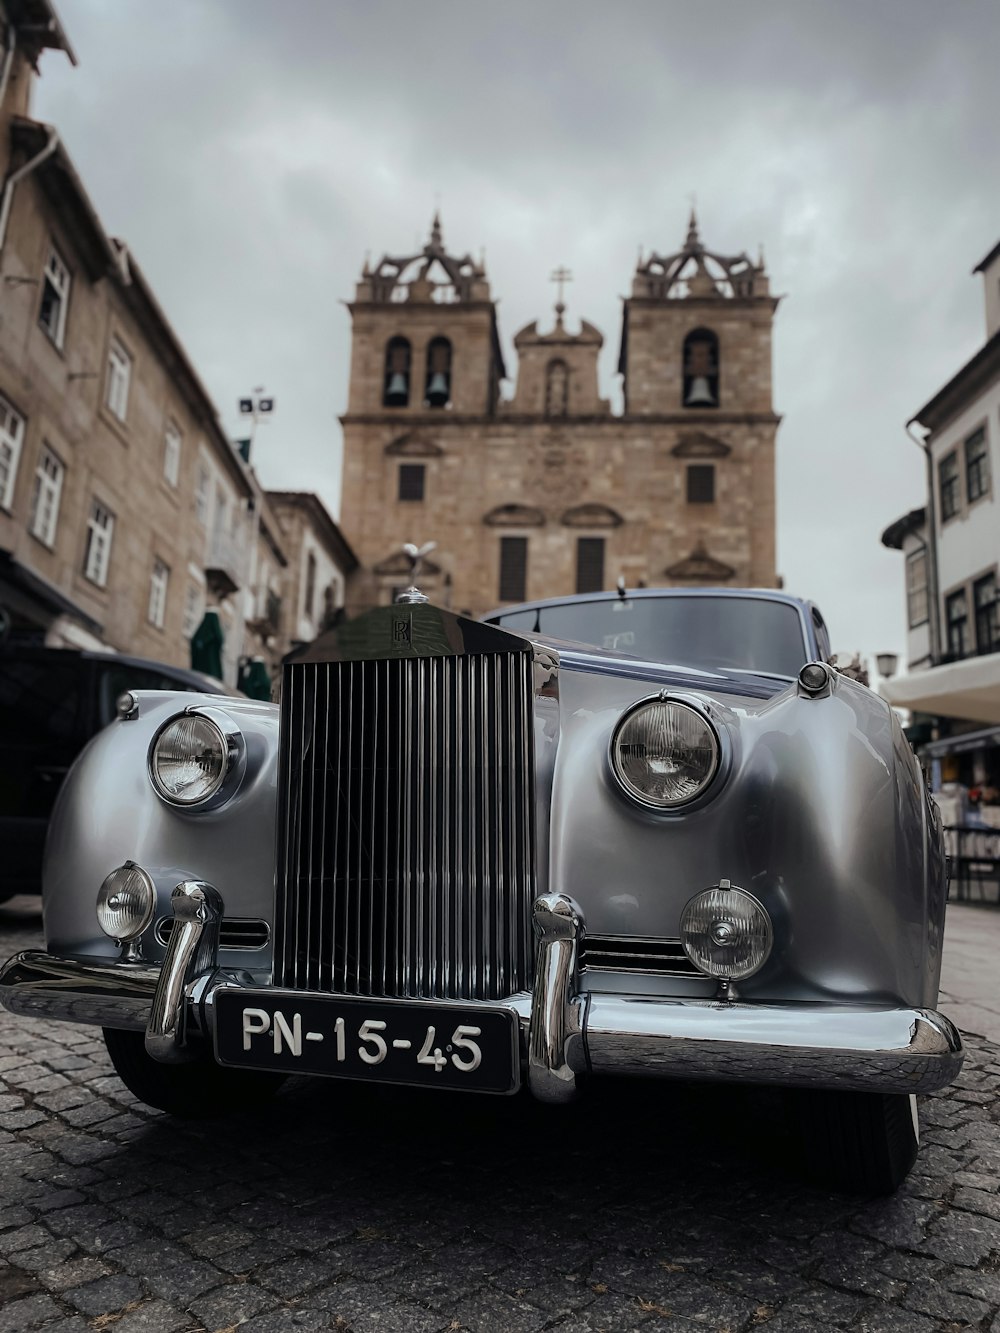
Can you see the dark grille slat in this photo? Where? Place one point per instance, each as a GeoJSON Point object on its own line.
{"type": "Point", "coordinates": [405, 858]}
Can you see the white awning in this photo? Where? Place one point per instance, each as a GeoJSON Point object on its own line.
{"type": "Point", "coordinates": [969, 689]}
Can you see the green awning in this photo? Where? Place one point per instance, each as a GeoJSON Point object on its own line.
{"type": "Point", "coordinates": [254, 680]}
{"type": "Point", "coordinates": [206, 646]}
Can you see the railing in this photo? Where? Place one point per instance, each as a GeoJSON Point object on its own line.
{"type": "Point", "coordinates": [974, 858]}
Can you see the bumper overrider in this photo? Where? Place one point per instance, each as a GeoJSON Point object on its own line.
{"type": "Point", "coordinates": [565, 1031]}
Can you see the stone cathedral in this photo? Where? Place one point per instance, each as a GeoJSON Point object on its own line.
{"type": "Point", "coordinates": [549, 493]}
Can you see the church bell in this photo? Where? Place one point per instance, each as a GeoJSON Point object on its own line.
{"type": "Point", "coordinates": [437, 389]}
{"type": "Point", "coordinates": [398, 392]}
{"type": "Point", "coordinates": [699, 393]}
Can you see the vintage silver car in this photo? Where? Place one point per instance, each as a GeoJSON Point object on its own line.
{"type": "Point", "coordinates": [646, 833]}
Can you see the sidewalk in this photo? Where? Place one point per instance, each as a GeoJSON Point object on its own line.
{"type": "Point", "coordinates": [970, 974]}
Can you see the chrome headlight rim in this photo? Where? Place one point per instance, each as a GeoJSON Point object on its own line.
{"type": "Point", "coordinates": [721, 758]}
{"type": "Point", "coordinates": [234, 749]}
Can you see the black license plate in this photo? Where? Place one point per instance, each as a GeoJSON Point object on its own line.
{"type": "Point", "coordinates": [433, 1043]}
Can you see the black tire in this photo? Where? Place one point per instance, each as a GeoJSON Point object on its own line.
{"type": "Point", "coordinates": [196, 1090]}
{"type": "Point", "coordinates": [856, 1142]}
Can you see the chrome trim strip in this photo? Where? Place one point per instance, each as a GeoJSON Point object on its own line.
{"type": "Point", "coordinates": [193, 949]}
{"type": "Point", "coordinates": [555, 1045]}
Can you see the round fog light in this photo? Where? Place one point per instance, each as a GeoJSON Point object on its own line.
{"type": "Point", "coordinates": [125, 902]}
{"type": "Point", "coordinates": [726, 932]}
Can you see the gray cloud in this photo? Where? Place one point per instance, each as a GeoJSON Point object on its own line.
{"type": "Point", "coordinates": [252, 152]}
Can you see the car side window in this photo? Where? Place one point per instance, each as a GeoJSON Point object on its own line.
{"type": "Point", "coordinates": [40, 700]}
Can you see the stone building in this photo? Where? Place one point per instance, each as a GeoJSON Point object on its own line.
{"type": "Point", "coordinates": [319, 563]}
{"type": "Point", "coordinates": [125, 511]}
{"type": "Point", "coordinates": [549, 492]}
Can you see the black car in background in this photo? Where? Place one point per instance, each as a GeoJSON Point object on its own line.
{"type": "Point", "coordinates": [52, 700]}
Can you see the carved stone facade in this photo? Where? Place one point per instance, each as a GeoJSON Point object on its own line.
{"type": "Point", "coordinates": [551, 493]}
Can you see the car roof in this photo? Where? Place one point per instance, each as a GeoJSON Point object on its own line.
{"type": "Point", "coordinates": [194, 679]}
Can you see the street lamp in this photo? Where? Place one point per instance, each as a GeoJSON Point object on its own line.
{"type": "Point", "coordinates": [258, 404]}
{"type": "Point", "coordinates": [887, 664]}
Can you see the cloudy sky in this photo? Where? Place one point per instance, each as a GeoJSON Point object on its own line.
{"type": "Point", "coordinates": [251, 152]}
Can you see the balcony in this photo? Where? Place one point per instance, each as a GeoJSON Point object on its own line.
{"type": "Point", "coordinates": [224, 566]}
{"type": "Point", "coordinates": [268, 623]}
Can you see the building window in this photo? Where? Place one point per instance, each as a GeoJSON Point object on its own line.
{"type": "Point", "coordinates": [556, 389]}
{"type": "Point", "coordinates": [437, 390]}
{"type": "Point", "coordinates": [100, 527]}
{"type": "Point", "coordinates": [701, 369]}
{"type": "Point", "coordinates": [411, 481]}
{"type": "Point", "coordinates": [158, 581]}
{"type": "Point", "coordinates": [310, 596]}
{"type": "Point", "coordinates": [916, 588]}
{"type": "Point", "coordinates": [589, 564]}
{"type": "Point", "coordinates": [45, 497]}
{"type": "Point", "coordinates": [201, 496]}
{"type": "Point", "coordinates": [11, 437]}
{"type": "Point", "coordinates": [172, 454]}
{"type": "Point", "coordinates": [513, 568]}
{"type": "Point", "coordinates": [984, 599]}
{"type": "Point", "coordinates": [55, 298]}
{"type": "Point", "coordinates": [701, 484]}
{"type": "Point", "coordinates": [957, 617]}
{"type": "Point", "coordinates": [192, 609]}
{"type": "Point", "coordinates": [977, 465]}
{"type": "Point", "coordinates": [948, 485]}
{"type": "Point", "coordinates": [396, 386]}
{"type": "Point", "coordinates": [119, 377]}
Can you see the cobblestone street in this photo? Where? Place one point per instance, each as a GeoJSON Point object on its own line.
{"type": "Point", "coordinates": [376, 1209]}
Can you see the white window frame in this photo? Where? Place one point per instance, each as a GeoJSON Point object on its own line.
{"type": "Point", "coordinates": [201, 495]}
{"type": "Point", "coordinates": [193, 599]}
{"type": "Point", "coordinates": [172, 454]}
{"type": "Point", "coordinates": [11, 439]}
{"type": "Point", "coordinates": [119, 379]}
{"type": "Point", "coordinates": [47, 492]}
{"type": "Point", "coordinates": [57, 277]}
{"type": "Point", "coordinates": [100, 533]}
{"type": "Point", "coordinates": [159, 581]}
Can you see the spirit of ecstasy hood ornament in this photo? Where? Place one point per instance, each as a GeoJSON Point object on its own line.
{"type": "Point", "coordinates": [415, 554]}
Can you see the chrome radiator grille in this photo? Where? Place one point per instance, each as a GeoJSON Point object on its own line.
{"type": "Point", "coordinates": [406, 827]}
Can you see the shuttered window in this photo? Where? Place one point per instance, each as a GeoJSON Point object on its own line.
{"type": "Point", "coordinates": [513, 568]}
{"type": "Point", "coordinates": [701, 484]}
{"type": "Point", "coordinates": [411, 481]}
{"type": "Point", "coordinates": [590, 564]}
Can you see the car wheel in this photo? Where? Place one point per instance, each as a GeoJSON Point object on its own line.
{"type": "Point", "coordinates": [856, 1142]}
{"type": "Point", "coordinates": [197, 1089]}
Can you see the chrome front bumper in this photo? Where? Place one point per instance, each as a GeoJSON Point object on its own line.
{"type": "Point", "coordinates": [568, 1032]}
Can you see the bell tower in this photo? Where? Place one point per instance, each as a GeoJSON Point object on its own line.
{"type": "Point", "coordinates": [696, 365]}
{"type": "Point", "coordinates": [696, 334]}
{"type": "Point", "coordinates": [426, 367]}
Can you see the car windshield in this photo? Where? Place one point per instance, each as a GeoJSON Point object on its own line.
{"type": "Point", "coordinates": [743, 633]}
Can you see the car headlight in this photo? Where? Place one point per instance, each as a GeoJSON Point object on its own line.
{"type": "Point", "coordinates": [195, 758]}
{"type": "Point", "coordinates": [726, 932]}
{"type": "Point", "coordinates": [125, 902]}
{"type": "Point", "coordinates": [664, 753]}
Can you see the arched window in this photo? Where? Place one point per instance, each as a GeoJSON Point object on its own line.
{"type": "Point", "coordinates": [701, 369]}
{"type": "Point", "coordinates": [556, 389]}
{"type": "Point", "coordinates": [396, 385]}
{"type": "Point", "coordinates": [437, 386]}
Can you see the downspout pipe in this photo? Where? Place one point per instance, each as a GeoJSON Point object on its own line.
{"type": "Point", "coordinates": [8, 59]}
{"type": "Point", "coordinates": [32, 163]}
{"type": "Point", "coordinates": [932, 544]}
